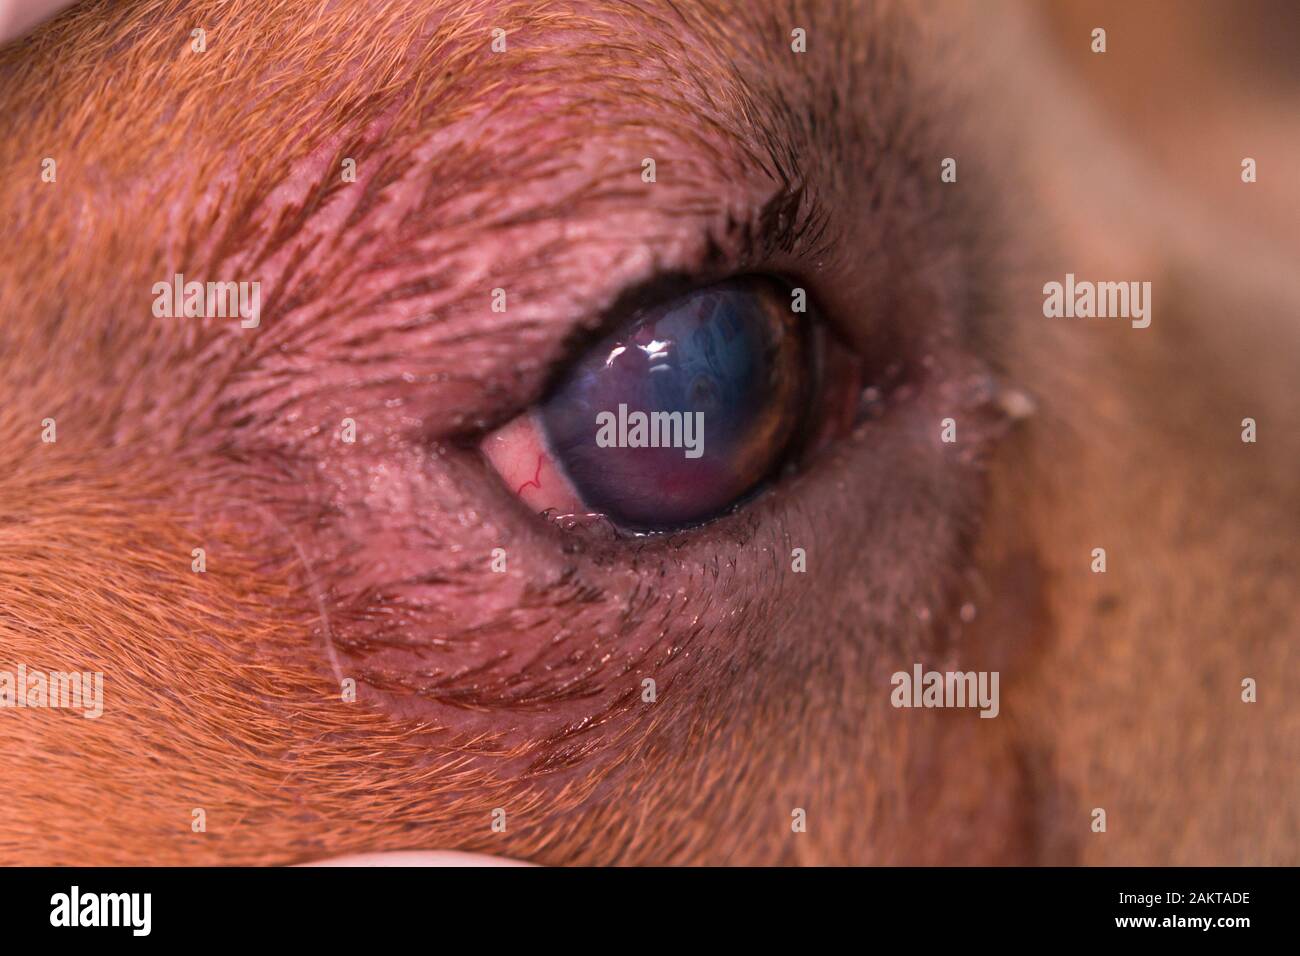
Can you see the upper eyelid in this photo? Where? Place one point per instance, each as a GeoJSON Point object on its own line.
{"type": "Point", "coordinates": [313, 228]}
{"type": "Point", "coordinates": [728, 243]}
{"type": "Point", "coordinates": [739, 244]}
{"type": "Point", "coordinates": [721, 110]}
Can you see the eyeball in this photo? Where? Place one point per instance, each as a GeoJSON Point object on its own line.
{"type": "Point", "coordinates": [684, 410]}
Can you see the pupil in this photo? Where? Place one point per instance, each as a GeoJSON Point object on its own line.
{"type": "Point", "coordinates": [675, 417]}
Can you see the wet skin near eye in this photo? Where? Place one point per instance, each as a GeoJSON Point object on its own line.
{"type": "Point", "coordinates": [501, 660]}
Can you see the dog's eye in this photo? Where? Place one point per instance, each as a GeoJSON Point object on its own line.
{"type": "Point", "coordinates": [675, 416]}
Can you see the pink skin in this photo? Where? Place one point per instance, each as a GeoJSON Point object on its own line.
{"type": "Point", "coordinates": [518, 453]}
{"type": "Point", "coordinates": [17, 17]}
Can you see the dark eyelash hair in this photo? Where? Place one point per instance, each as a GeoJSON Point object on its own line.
{"type": "Point", "coordinates": [790, 221]}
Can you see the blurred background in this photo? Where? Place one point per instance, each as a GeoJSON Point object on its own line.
{"type": "Point", "coordinates": [1195, 85]}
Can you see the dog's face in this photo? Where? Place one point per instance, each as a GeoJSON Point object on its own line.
{"type": "Point", "coordinates": [380, 644]}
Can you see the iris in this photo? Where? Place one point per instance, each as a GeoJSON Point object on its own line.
{"type": "Point", "coordinates": [689, 406]}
